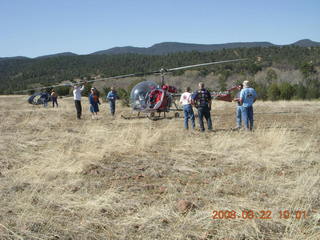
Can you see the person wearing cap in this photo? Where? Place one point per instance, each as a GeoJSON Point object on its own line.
{"type": "Point", "coordinates": [247, 98]}
{"type": "Point", "coordinates": [112, 96]}
{"type": "Point", "coordinates": [239, 107]}
{"type": "Point", "coordinates": [202, 100]}
{"type": "Point", "coordinates": [77, 90]}
{"type": "Point", "coordinates": [185, 101]}
{"type": "Point", "coordinates": [94, 102]}
{"type": "Point", "coordinates": [54, 98]}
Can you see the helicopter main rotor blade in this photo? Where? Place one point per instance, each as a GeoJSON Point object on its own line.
{"type": "Point", "coordinates": [123, 76]}
{"type": "Point", "coordinates": [161, 71]}
{"type": "Point", "coordinates": [205, 64]}
{"type": "Point", "coordinates": [44, 87]}
{"type": "Point", "coordinates": [88, 81]}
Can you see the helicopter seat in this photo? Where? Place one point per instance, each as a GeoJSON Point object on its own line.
{"type": "Point", "coordinates": [158, 99]}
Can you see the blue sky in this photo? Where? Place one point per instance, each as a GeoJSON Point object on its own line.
{"type": "Point", "coordinates": [38, 27]}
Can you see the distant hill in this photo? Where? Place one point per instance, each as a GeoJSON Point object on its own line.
{"type": "Point", "coordinates": [306, 43]}
{"type": "Point", "coordinates": [14, 58]}
{"type": "Point", "coordinates": [58, 55]}
{"type": "Point", "coordinates": [173, 47]}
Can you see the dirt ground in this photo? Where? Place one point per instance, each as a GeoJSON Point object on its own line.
{"type": "Point", "coordinates": [112, 178]}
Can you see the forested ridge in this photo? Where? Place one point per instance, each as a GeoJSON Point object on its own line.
{"type": "Point", "coordinates": [22, 73]}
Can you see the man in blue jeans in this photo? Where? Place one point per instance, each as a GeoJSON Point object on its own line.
{"type": "Point", "coordinates": [185, 101]}
{"type": "Point", "coordinates": [247, 97]}
{"type": "Point", "coordinates": [112, 96]}
{"type": "Point", "coordinates": [202, 100]}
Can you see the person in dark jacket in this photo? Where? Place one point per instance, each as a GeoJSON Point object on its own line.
{"type": "Point", "coordinates": [45, 97]}
{"type": "Point", "coordinates": [202, 100]}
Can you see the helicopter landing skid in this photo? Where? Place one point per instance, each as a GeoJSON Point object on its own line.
{"type": "Point", "coordinates": [133, 117]}
{"type": "Point", "coordinates": [152, 115]}
{"type": "Point", "coordinates": [156, 118]}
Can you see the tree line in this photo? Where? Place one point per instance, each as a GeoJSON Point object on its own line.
{"type": "Point", "coordinates": [20, 74]}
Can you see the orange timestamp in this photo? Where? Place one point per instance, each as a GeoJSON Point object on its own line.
{"type": "Point", "coordinates": [262, 214]}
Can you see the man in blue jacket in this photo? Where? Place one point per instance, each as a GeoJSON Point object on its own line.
{"type": "Point", "coordinates": [112, 97]}
{"type": "Point", "coordinates": [247, 97]}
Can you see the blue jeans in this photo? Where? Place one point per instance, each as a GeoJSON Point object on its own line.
{"type": "Point", "coordinates": [204, 112]}
{"type": "Point", "coordinates": [238, 116]}
{"type": "Point", "coordinates": [188, 114]}
{"type": "Point", "coordinates": [247, 116]}
{"type": "Point", "coordinates": [112, 107]}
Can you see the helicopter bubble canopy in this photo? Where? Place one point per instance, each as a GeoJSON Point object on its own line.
{"type": "Point", "coordinates": [39, 98]}
{"type": "Point", "coordinates": [139, 97]}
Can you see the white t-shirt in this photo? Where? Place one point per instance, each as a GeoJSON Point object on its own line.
{"type": "Point", "coordinates": [185, 98]}
{"type": "Point", "coordinates": [77, 93]}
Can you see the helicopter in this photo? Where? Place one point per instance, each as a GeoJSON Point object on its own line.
{"type": "Point", "coordinates": [39, 98]}
{"type": "Point", "coordinates": [148, 97]}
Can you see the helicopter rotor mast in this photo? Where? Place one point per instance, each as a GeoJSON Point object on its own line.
{"type": "Point", "coordinates": [162, 72]}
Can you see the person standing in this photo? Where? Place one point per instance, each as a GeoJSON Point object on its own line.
{"type": "Point", "coordinates": [185, 101]}
{"type": "Point", "coordinates": [54, 98]}
{"type": "Point", "coordinates": [112, 97]}
{"type": "Point", "coordinates": [247, 97]}
{"type": "Point", "coordinates": [202, 100]}
{"type": "Point", "coordinates": [77, 90]}
{"type": "Point", "coordinates": [239, 107]}
{"type": "Point", "coordinates": [45, 98]}
{"type": "Point", "coordinates": [94, 101]}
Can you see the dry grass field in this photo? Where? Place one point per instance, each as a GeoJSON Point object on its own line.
{"type": "Point", "coordinates": [111, 178]}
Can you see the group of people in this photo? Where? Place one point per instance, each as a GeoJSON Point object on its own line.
{"type": "Point", "coordinates": [202, 99]}
{"type": "Point", "coordinates": [94, 100]}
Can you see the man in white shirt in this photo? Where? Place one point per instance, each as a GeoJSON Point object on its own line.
{"type": "Point", "coordinates": [185, 100]}
{"type": "Point", "coordinates": [77, 90]}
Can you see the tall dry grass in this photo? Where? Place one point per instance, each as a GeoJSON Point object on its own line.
{"type": "Point", "coordinates": [118, 179]}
